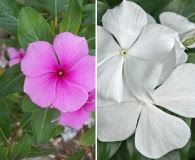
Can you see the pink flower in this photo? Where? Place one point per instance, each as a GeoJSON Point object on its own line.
{"type": "Point", "coordinates": [60, 75]}
{"type": "Point", "coordinates": [15, 56]}
{"type": "Point", "coordinates": [77, 119]}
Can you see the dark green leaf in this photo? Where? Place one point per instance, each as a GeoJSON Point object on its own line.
{"type": "Point", "coordinates": [43, 128]}
{"type": "Point", "coordinates": [40, 152]}
{"type": "Point", "coordinates": [3, 151]}
{"type": "Point", "coordinates": [112, 147]}
{"type": "Point", "coordinates": [72, 20]}
{"type": "Point", "coordinates": [88, 138]}
{"type": "Point", "coordinates": [77, 156]}
{"type": "Point", "coordinates": [56, 7]}
{"type": "Point", "coordinates": [32, 27]}
{"type": "Point", "coordinates": [102, 151]}
{"type": "Point", "coordinates": [26, 122]}
{"type": "Point", "coordinates": [101, 9]}
{"type": "Point", "coordinates": [191, 58]}
{"type": "Point", "coordinates": [21, 149]}
{"type": "Point", "coordinates": [59, 130]}
{"type": "Point", "coordinates": [38, 5]}
{"type": "Point", "coordinates": [9, 10]}
{"type": "Point", "coordinates": [11, 81]}
{"type": "Point", "coordinates": [29, 106]}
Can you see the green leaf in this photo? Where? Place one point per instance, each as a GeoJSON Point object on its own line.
{"type": "Point", "coordinates": [77, 155]}
{"type": "Point", "coordinates": [40, 152]}
{"type": "Point", "coordinates": [72, 20]}
{"type": "Point", "coordinates": [11, 81]}
{"type": "Point", "coordinates": [43, 128]}
{"type": "Point", "coordinates": [88, 17]}
{"type": "Point", "coordinates": [32, 27]}
{"type": "Point", "coordinates": [102, 151]}
{"type": "Point", "coordinates": [112, 147]}
{"type": "Point", "coordinates": [29, 106]}
{"type": "Point", "coordinates": [5, 124]}
{"type": "Point", "coordinates": [56, 7]}
{"type": "Point", "coordinates": [101, 9]}
{"type": "Point", "coordinates": [3, 151]}
{"type": "Point", "coordinates": [191, 58]}
{"type": "Point", "coordinates": [89, 33]}
{"type": "Point", "coordinates": [38, 5]}
{"type": "Point", "coordinates": [9, 10]}
{"type": "Point", "coordinates": [59, 130]}
{"type": "Point", "coordinates": [21, 149]}
{"type": "Point", "coordinates": [88, 138]}
{"type": "Point", "coordinates": [26, 122]}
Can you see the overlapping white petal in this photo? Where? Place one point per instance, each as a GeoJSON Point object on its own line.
{"type": "Point", "coordinates": [177, 94]}
{"type": "Point", "coordinates": [150, 19]}
{"type": "Point", "coordinates": [158, 133]}
{"type": "Point", "coordinates": [125, 22]}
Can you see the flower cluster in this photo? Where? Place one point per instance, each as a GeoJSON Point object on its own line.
{"type": "Point", "coordinates": [15, 55]}
{"type": "Point", "coordinates": [141, 71]}
{"type": "Point", "coordinates": [62, 76]}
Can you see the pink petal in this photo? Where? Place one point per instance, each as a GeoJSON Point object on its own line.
{"type": "Point", "coordinates": [92, 95]}
{"type": "Point", "coordinates": [70, 48]}
{"type": "Point", "coordinates": [89, 106]}
{"type": "Point", "coordinates": [69, 96]}
{"type": "Point", "coordinates": [42, 89]}
{"type": "Point", "coordinates": [14, 61]}
{"type": "Point", "coordinates": [21, 51]}
{"type": "Point", "coordinates": [12, 53]}
{"type": "Point", "coordinates": [39, 59]}
{"type": "Point", "coordinates": [74, 119]}
{"type": "Point", "coordinates": [83, 73]}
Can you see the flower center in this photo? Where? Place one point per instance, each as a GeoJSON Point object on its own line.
{"type": "Point", "coordinates": [123, 52]}
{"type": "Point", "coordinates": [142, 102]}
{"type": "Point", "coordinates": [60, 73]}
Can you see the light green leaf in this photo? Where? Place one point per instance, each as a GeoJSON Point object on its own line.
{"type": "Point", "coordinates": [32, 27]}
{"type": "Point", "coordinates": [72, 20]}
{"type": "Point", "coordinates": [77, 155]}
{"type": "Point", "coordinates": [88, 138]}
{"type": "Point", "coordinates": [29, 106]}
{"type": "Point", "coordinates": [11, 81]}
{"type": "Point", "coordinates": [21, 149]}
{"type": "Point", "coordinates": [3, 151]}
{"type": "Point", "coordinates": [43, 128]}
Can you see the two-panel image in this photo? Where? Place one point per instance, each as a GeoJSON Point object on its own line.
{"type": "Point", "coordinates": [97, 80]}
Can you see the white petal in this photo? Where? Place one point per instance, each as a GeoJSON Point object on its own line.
{"type": "Point", "coordinates": [177, 22]}
{"type": "Point", "coordinates": [101, 102]}
{"type": "Point", "coordinates": [177, 94]}
{"type": "Point", "coordinates": [117, 122]}
{"type": "Point", "coordinates": [187, 35]}
{"type": "Point", "coordinates": [109, 79]}
{"type": "Point", "coordinates": [106, 45]}
{"type": "Point", "coordinates": [141, 77]}
{"type": "Point", "coordinates": [181, 56]}
{"type": "Point", "coordinates": [150, 19]}
{"type": "Point", "coordinates": [155, 42]}
{"type": "Point", "coordinates": [125, 22]}
{"type": "Point", "coordinates": [158, 133]}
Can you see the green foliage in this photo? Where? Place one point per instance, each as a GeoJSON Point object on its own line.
{"type": "Point", "coordinates": [88, 138]}
{"type": "Point", "coordinates": [36, 152]}
{"type": "Point", "coordinates": [32, 27]}
{"type": "Point", "coordinates": [3, 151]}
{"type": "Point", "coordinates": [72, 20]}
{"type": "Point", "coordinates": [88, 17]}
{"type": "Point", "coordinates": [11, 81]}
{"type": "Point", "coordinates": [29, 106]}
{"type": "Point", "coordinates": [77, 156]}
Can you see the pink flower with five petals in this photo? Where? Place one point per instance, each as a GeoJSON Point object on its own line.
{"type": "Point", "coordinates": [15, 56]}
{"type": "Point", "coordinates": [61, 74]}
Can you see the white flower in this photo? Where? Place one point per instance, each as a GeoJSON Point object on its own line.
{"type": "Point", "coordinates": [156, 132]}
{"type": "Point", "coordinates": [180, 24]}
{"type": "Point", "coordinates": [125, 39]}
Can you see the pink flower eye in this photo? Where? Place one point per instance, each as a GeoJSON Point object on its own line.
{"type": "Point", "coordinates": [60, 73]}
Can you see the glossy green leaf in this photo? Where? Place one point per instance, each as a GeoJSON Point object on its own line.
{"type": "Point", "coordinates": [11, 81]}
{"type": "Point", "coordinates": [72, 20]}
{"type": "Point", "coordinates": [3, 151]}
{"type": "Point", "coordinates": [102, 151]}
{"type": "Point", "coordinates": [88, 17]}
{"type": "Point", "coordinates": [29, 106]}
{"type": "Point", "coordinates": [77, 155]}
{"type": "Point", "coordinates": [9, 10]}
{"type": "Point", "coordinates": [40, 152]}
{"type": "Point", "coordinates": [43, 127]}
{"type": "Point", "coordinates": [88, 138]}
{"type": "Point", "coordinates": [38, 5]}
{"type": "Point", "coordinates": [20, 150]}
{"type": "Point", "coordinates": [56, 7]}
{"type": "Point", "coordinates": [89, 34]}
{"type": "Point", "coordinates": [101, 9]}
{"type": "Point", "coordinates": [32, 27]}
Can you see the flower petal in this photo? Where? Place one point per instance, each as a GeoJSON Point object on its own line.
{"type": "Point", "coordinates": [69, 96]}
{"type": "Point", "coordinates": [42, 89]}
{"type": "Point", "coordinates": [107, 47]}
{"type": "Point", "coordinates": [177, 22]}
{"type": "Point", "coordinates": [14, 61]}
{"type": "Point", "coordinates": [155, 42]}
{"type": "Point", "coordinates": [158, 133]}
{"type": "Point", "coordinates": [186, 35]}
{"type": "Point", "coordinates": [141, 77]}
{"type": "Point", "coordinates": [125, 22]}
{"type": "Point", "coordinates": [178, 91]}
{"type": "Point", "coordinates": [83, 73]}
{"type": "Point", "coordinates": [74, 119]}
{"type": "Point", "coordinates": [117, 122]}
{"type": "Point", "coordinates": [90, 104]}
{"type": "Point", "coordinates": [39, 59]}
{"type": "Point", "coordinates": [151, 19]}
{"type": "Point", "coordinates": [109, 79]}
{"type": "Point", "coordinates": [69, 48]}
{"type": "Point", "coordinates": [12, 53]}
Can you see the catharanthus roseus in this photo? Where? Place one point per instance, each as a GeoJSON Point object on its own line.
{"type": "Point", "coordinates": [156, 132]}
{"type": "Point", "coordinates": [61, 74]}
{"type": "Point", "coordinates": [15, 55]}
{"type": "Point", "coordinates": [128, 24]}
{"type": "Point", "coordinates": [180, 24]}
{"type": "Point", "coordinates": [77, 118]}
